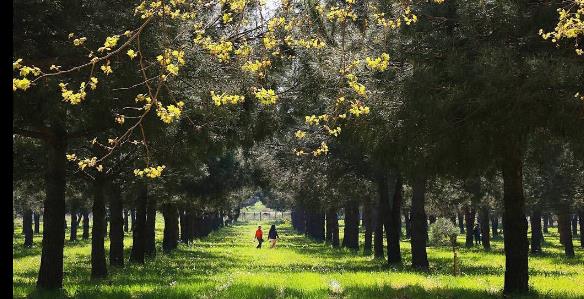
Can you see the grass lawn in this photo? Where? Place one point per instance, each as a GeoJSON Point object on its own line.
{"type": "Point", "coordinates": [227, 265]}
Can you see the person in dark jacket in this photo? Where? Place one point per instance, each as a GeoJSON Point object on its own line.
{"type": "Point", "coordinates": [273, 236]}
{"type": "Point", "coordinates": [477, 234]}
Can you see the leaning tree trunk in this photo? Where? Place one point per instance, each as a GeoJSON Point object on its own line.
{"type": "Point", "coordinates": [98, 262]}
{"type": "Point", "coordinates": [419, 225]}
{"type": "Point", "coordinates": [138, 225]}
{"type": "Point", "coordinates": [116, 232]}
{"type": "Point", "coordinates": [514, 223]}
{"type": "Point", "coordinates": [460, 221]}
{"type": "Point", "coordinates": [536, 234]}
{"type": "Point", "coordinates": [51, 268]}
{"type": "Point", "coordinates": [368, 225]}
{"type": "Point", "coordinates": [469, 218]}
{"type": "Point", "coordinates": [565, 230]}
{"type": "Point", "coordinates": [170, 240]}
{"type": "Point", "coordinates": [485, 229]}
{"type": "Point", "coordinates": [351, 231]}
{"type": "Point", "coordinates": [392, 224]}
{"type": "Point", "coordinates": [27, 227]}
{"type": "Point", "coordinates": [150, 228]}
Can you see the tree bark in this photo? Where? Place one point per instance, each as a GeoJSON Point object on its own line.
{"type": "Point", "coordinates": [37, 222]}
{"type": "Point", "coordinates": [27, 227]}
{"type": "Point", "coordinates": [98, 262]}
{"type": "Point", "coordinates": [565, 230]}
{"type": "Point", "coordinates": [351, 231]}
{"type": "Point", "coordinates": [419, 224]}
{"type": "Point", "coordinates": [485, 228]}
{"type": "Point", "coordinates": [378, 233]}
{"type": "Point", "coordinates": [150, 228]}
{"type": "Point", "coordinates": [51, 268]}
{"type": "Point", "coordinates": [536, 234]}
{"type": "Point", "coordinates": [315, 224]}
{"type": "Point", "coordinates": [170, 240]}
{"type": "Point", "coordinates": [116, 232]}
{"type": "Point", "coordinates": [469, 219]}
{"type": "Point", "coordinates": [546, 220]}
{"type": "Point", "coordinates": [138, 225]}
{"type": "Point", "coordinates": [514, 223]}
{"type": "Point", "coordinates": [392, 225]}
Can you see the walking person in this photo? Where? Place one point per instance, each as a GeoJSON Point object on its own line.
{"type": "Point", "coordinates": [273, 236]}
{"type": "Point", "coordinates": [477, 234]}
{"type": "Point", "coordinates": [259, 235]}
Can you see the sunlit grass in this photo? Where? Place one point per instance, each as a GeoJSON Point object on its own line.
{"type": "Point", "coordinates": [227, 265]}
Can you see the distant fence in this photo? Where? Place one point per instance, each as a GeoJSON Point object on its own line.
{"type": "Point", "coordinates": [259, 216]}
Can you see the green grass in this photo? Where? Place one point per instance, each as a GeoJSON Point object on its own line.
{"type": "Point", "coordinates": [227, 265]}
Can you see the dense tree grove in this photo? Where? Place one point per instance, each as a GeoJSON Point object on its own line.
{"type": "Point", "coordinates": [359, 117]}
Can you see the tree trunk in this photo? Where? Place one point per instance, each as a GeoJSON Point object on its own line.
{"type": "Point", "coordinates": [133, 218]}
{"type": "Point", "coordinates": [581, 221]}
{"type": "Point", "coordinates": [368, 225]}
{"type": "Point", "coordinates": [351, 231]}
{"type": "Point", "coordinates": [85, 225]}
{"type": "Point", "coordinates": [98, 262]}
{"type": "Point", "coordinates": [332, 226]}
{"type": "Point", "coordinates": [392, 225]}
{"type": "Point", "coordinates": [126, 223]}
{"type": "Point", "coordinates": [116, 232]}
{"type": "Point", "coordinates": [565, 230]}
{"type": "Point", "coordinates": [575, 225]}
{"type": "Point", "coordinates": [469, 219]}
{"type": "Point", "coordinates": [37, 222]}
{"type": "Point", "coordinates": [419, 224]}
{"type": "Point", "coordinates": [138, 225]}
{"type": "Point", "coordinates": [408, 224]}
{"type": "Point", "coordinates": [27, 227]}
{"type": "Point", "coordinates": [315, 224]}
{"type": "Point", "coordinates": [485, 228]}
{"type": "Point", "coordinates": [150, 228]}
{"type": "Point", "coordinates": [495, 225]}
{"type": "Point", "coordinates": [460, 221]}
{"type": "Point", "coordinates": [536, 234]}
{"type": "Point", "coordinates": [184, 227]}
{"type": "Point", "coordinates": [378, 237]}
{"type": "Point", "coordinates": [514, 223]}
{"type": "Point", "coordinates": [170, 240]}
{"type": "Point", "coordinates": [74, 222]}
{"type": "Point", "coordinates": [546, 220]}
{"type": "Point", "coordinates": [51, 268]}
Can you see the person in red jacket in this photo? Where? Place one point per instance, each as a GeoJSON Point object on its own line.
{"type": "Point", "coordinates": [259, 235]}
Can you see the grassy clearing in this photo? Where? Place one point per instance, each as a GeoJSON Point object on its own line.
{"type": "Point", "coordinates": [227, 265]}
